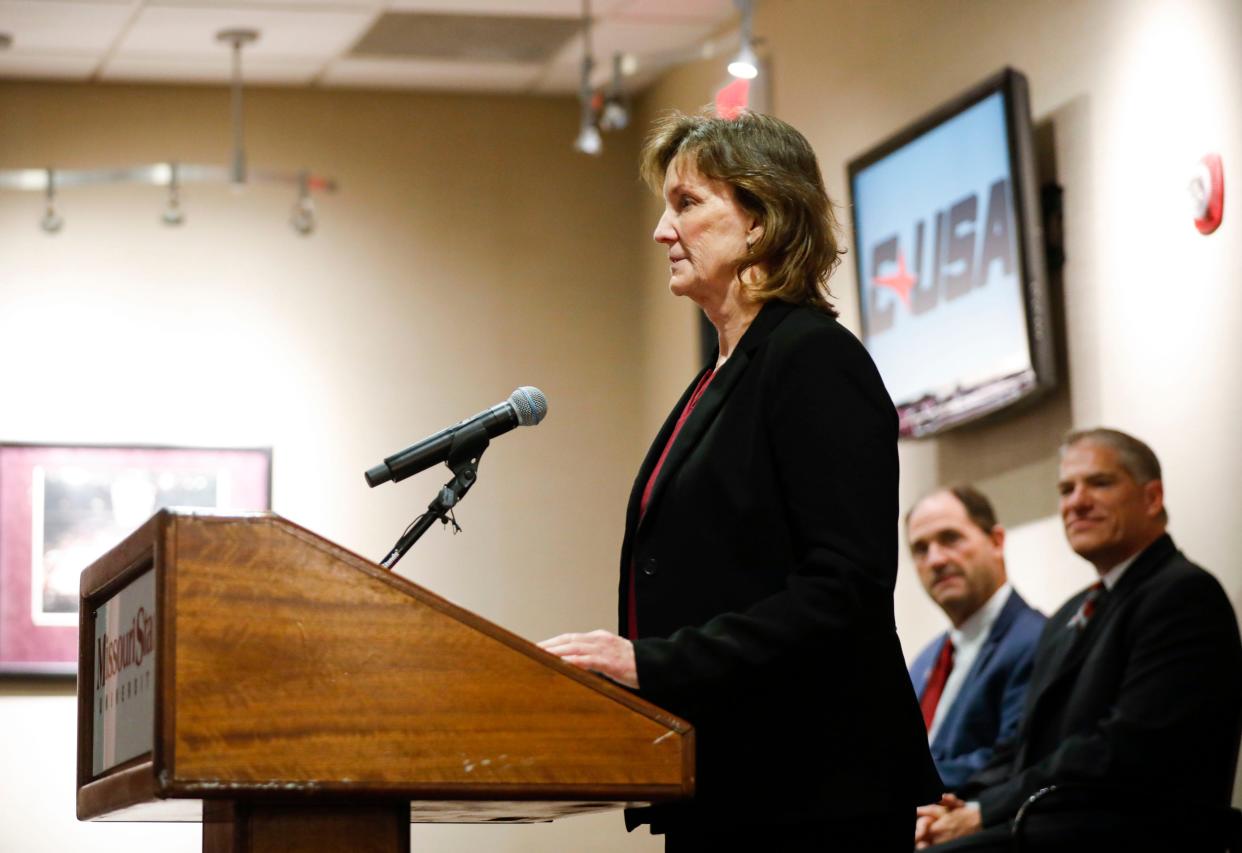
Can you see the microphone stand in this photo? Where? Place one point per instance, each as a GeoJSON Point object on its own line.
{"type": "Point", "coordinates": [463, 460]}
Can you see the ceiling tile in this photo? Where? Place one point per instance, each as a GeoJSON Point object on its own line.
{"type": "Point", "coordinates": [478, 38]}
{"type": "Point", "coordinates": [59, 27]}
{"type": "Point", "coordinates": [655, 45]}
{"type": "Point", "coordinates": [609, 36]}
{"type": "Point", "coordinates": [555, 8]}
{"type": "Point", "coordinates": [303, 42]}
{"type": "Point", "coordinates": [560, 81]}
{"type": "Point", "coordinates": [190, 69]}
{"type": "Point", "coordinates": [371, 5]}
{"type": "Point", "coordinates": [431, 74]}
{"type": "Point", "coordinates": [184, 31]}
{"type": "Point", "coordinates": [712, 11]}
{"type": "Point", "coordinates": [47, 66]}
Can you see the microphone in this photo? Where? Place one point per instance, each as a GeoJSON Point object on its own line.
{"type": "Point", "coordinates": [525, 407]}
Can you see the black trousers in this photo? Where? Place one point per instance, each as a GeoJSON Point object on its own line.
{"type": "Point", "coordinates": [885, 833]}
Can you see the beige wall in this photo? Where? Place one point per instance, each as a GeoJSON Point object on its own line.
{"type": "Point", "coordinates": [1127, 95]}
{"type": "Point", "coordinates": [471, 251]}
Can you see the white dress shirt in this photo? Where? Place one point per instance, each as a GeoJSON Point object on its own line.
{"type": "Point", "coordinates": [1114, 574]}
{"type": "Point", "coordinates": [968, 639]}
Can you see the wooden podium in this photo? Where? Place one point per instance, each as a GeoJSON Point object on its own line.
{"type": "Point", "coordinates": [241, 671]}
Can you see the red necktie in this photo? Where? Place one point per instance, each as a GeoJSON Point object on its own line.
{"type": "Point", "coordinates": [935, 682]}
{"type": "Point", "coordinates": [1087, 608]}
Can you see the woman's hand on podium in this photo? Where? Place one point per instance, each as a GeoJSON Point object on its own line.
{"type": "Point", "coordinates": [599, 651]}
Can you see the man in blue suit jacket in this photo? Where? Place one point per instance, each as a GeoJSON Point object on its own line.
{"type": "Point", "coordinates": [971, 679]}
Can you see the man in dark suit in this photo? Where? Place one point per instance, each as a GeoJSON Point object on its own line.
{"type": "Point", "coordinates": [1136, 696]}
{"type": "Point", "coordinates": [971, 679]}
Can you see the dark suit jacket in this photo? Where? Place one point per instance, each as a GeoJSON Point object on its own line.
{"type": "Point", "coordinates": [1148, 698]}
{"type": "Point", "coordinates": [765, 566]}
{"type": "Point", "coordinates": [988, 708]}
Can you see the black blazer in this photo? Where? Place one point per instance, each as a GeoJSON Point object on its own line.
{"type": "Point", "coordinates": [764, 572]}
{"type": "Point", "coordinates": [1147, 698]}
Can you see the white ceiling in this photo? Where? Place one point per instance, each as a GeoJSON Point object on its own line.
{"type": "Point", "coordinates": [310, 42]}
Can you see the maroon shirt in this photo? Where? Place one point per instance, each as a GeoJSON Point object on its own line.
{"type": "Point", "coordinates": [631, 626]}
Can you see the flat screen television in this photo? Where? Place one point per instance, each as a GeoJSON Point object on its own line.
{"type": "Point", "coordinates": [950, 257]}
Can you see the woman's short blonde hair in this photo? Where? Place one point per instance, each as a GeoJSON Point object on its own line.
{"type": "Point", "coordinates": [775, 176]}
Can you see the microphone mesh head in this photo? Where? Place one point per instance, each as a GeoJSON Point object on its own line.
{"type": "Point", "coordinates": [529, 404]}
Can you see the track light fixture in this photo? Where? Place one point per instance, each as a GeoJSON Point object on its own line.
{"type": "Point", "coordinates": [616, 114]}
{"type": "Point", "coordinates": [608, 109]}
{"type": "Point", "coordinates": [173, 175]}
{"type": "Point", "coordinates": [302, 217]}
{"type": "Point", "coordinates": [173, 214]}
{"type": "Point", "coordinates": [745, 65]}
{"type": "Point", "coordinates": [588, 141]}
{"type": "Point", "coordinates": [52, 221]}
{"type": "Point", "coordinates": [237, 39]}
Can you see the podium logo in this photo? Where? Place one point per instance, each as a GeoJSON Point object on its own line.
{"type": "Point", "coordinates": [961, 255]}
{"type": "Point", "coordinates": [113, 655]}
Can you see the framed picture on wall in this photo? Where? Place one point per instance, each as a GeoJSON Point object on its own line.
{"type": "Point", "coordinates": [62, 507]}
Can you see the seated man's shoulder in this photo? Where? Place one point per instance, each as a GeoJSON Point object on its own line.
{"type": "Point", "coordinates": [1023, 629]}
{"type": "Point", "coordinates": [1186, 577]}
{"type": "Point", "coordinates": [1027, 616]}
{"type": "Point", "coordinates": [1183, 597]}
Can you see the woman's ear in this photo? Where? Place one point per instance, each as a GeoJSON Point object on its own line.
{"type": "Point", "coordinates": [754, 234]}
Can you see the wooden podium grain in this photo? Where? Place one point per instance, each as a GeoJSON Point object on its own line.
{"type": "Point", "coordinates": [306, 699]}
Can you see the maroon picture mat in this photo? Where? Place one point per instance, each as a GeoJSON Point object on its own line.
{"type": "Point", "coordinates": [29, 648]}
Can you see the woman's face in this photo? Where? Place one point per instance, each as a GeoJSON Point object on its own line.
{"type": "Point", "coordinates": [706, 232]}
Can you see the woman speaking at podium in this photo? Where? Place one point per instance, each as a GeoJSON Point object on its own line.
{"type": "Point", "coordinates": [760, 550]}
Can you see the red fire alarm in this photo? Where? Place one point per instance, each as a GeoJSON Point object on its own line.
{"type": "Point", "coordinates": [1207, 193]}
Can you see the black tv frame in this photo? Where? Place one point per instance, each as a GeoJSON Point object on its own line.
{"type": "Point", "coordinates": [928, 416]}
